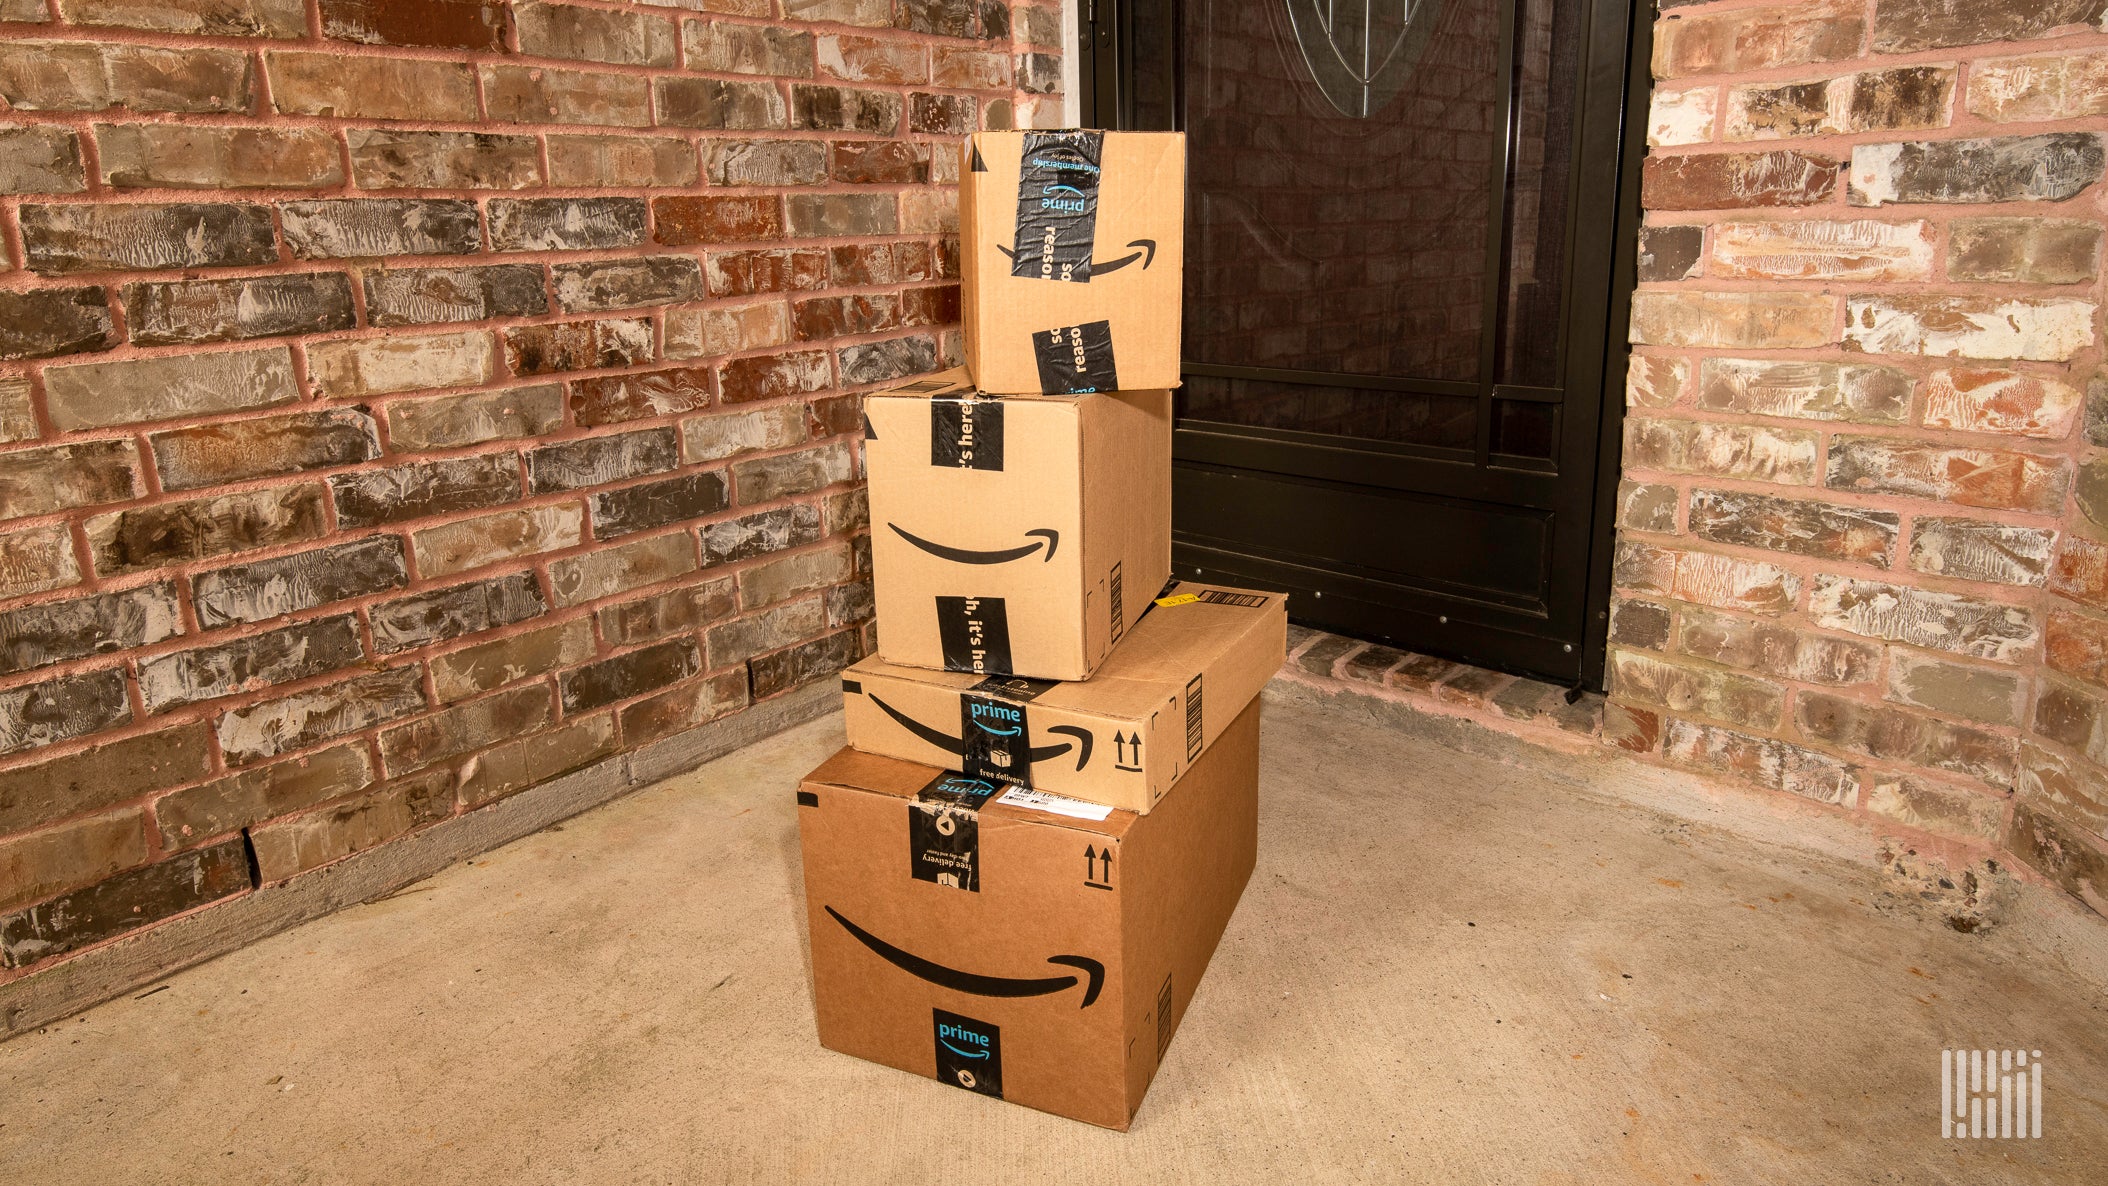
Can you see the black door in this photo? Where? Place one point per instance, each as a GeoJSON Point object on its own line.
{"type": "Point", "coordinates": [1408, 244]}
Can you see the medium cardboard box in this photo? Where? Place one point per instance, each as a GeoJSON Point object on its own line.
{"type": "Point", "coordinates": [1121, 737]}
{"type": "Point", "coordinates": [1039, 957]}
{"type": "Point", "coordinates": [1019, 535]}
{"type": "Point", "coordinates": [1074, 259]}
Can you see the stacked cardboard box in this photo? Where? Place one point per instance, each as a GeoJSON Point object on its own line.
{"type": "Point", "coordinates": [1018, 869]}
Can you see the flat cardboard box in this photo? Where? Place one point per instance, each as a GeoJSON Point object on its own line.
{"type": "Point", "coordinates": [1020, 535]}
{"type": "Point", "coordinates": [1121, 737]}
{"type": "Point", "coordinates": [1041, 958]}
{"type": "Point", "coordinates": [1073, 259]}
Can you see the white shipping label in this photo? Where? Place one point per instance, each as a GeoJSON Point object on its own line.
{"type": "Point", "coordinates": [1057, 804]}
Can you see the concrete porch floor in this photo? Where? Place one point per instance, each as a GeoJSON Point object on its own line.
{"type": "Point", "coordinates": [1449, 967]}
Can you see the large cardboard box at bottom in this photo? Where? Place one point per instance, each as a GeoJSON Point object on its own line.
{"type": "Point", "coordinates": [1040, 958]}
{"type": "Point", "coordinates": [1122, 737]}
{"type": "Point", "coordinates": [1014, 536]}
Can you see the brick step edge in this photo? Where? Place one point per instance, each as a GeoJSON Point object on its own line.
{"type": "Point", "coordinates": [1517, 706]}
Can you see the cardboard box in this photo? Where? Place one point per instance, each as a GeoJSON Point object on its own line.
{"type": "Point", "coordinates": [1041, 958]}
{"type": "Point", "coordinates": [1019, 535]}
{"type": "Point", "coordinates": [1074, 259]}
{"type": "Point", "coordinates": [1121, 737]}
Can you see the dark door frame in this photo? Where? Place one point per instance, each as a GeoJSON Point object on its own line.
{"type": "Point", "coordinates": [1104, 34]}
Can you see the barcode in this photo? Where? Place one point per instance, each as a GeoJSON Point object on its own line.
{"type": "Point", "coordinates": [1246, 600]}
{"type": "Point", "coordinates": [1193, 729]}
{"type": "Point", "coordinates": [1119, 616]}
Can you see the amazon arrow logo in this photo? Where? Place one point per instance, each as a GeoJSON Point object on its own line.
{"type": "Point", "coordinates": [1147, 255]}
{"type": "Point", "coordinates": [955, 745]}
{"type": "Point", "coordinates": [1048, 536]}
{"type": "Point", "coordinates": [976, 983]}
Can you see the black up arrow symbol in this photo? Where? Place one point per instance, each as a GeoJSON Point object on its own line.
{"type": "Point", "coordinates": [1124, 759]}
{"type": "Point", "coordinates": [1098, 867]}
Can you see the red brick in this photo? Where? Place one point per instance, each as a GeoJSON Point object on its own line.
{"type": "Point", "coordinates": [612, 399]}
{"type": "Point", "coordinates": [440, 24]}
{"type": "Point", "coordinates": [370, 88]}
{"type": "Point", "coordinates": [875, 59]}
{"type": "Point", "coordinates": [1763, 320]}
{"type": "Point", "coordinates": [1964, 625]}
{"type": "Point", "coordinates": [694, 219]}
{"type": "Point", "coordinates": [625, 38]}
{"type": "Point", "coordinates": [291, 846]}
{"type": "Point", "coordinates": [1737, 180]}
{"type": "Point", "coordinates": [1972, 477]}
{"type": "Point", "coordinates": [1766, 761]}
{"type": "Point", "coordinates": [212, 18]}
{"type": "Point", "coordinates": [2077, 645]}
{"type": "Point", "coordinates": [746, 273]}
{"type": "Point", "coordinates": [2080, 570]}
{"type": "Point", "coordinates": [1757, 38]}
{"type": "Point", "coordinates": [1991, 400]}
{"type": "Point", "coordinates": [769, 376]}
{"type": "Point", "coordinates": [47, 322]}
{"type": "Point", "coordinates": [40, 159]}
{"type": "Point", "coordinates": [150, 78]}
{"type": "Point", "coordinates": [540, 94]}
{"type": "Point", "coordinates": [577, 345]}
{"type": "Point", "coordinates": [1901, 26]}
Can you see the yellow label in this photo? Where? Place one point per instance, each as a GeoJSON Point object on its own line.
{"type": "Point", "coordinates": [1179, 599]}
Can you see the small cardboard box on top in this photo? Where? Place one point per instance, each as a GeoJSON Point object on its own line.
{"type": "Point", "coordinates": [1020, 535]}
{"type": "Point", "coordinates": [1039, 957]}
{"type": "Point", "coordinates": [1074, 259]}
{"type": "Point", "coordinates": [1122, 737]}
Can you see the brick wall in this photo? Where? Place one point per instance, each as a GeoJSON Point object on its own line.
{"type": "Point", "coordinates": [408, 401]}
{"type": "Point", "coordinates": [1861, 552]}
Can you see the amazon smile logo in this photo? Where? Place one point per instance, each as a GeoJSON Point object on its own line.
{"type": "Point", "coordinates": [1047, 536]}
{"type": "Point", "coordinates": [978, 984]}
{"type": "Point", "coordinates": [990, 716]}
{"type": "Point", "coordinates": [1147, 254]}
{"type": "Point", "coordinates": [962, 1040]}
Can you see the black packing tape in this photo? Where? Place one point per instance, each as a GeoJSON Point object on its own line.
{"type": "Point", "coordinates": [1057, 205]}
{"type": "Point", "coordinates": [966, 433]}
{"type": "Point", "coordinates": [1076, 359]}
{"type": "Point", "coordinates": [974, 633]}
{"type": "Point", "coordinates": [995, 740]}
{"type": "Point", "coordinates": [969, 1053]}
{"type": "Point", "coordinates": [944, 831]}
